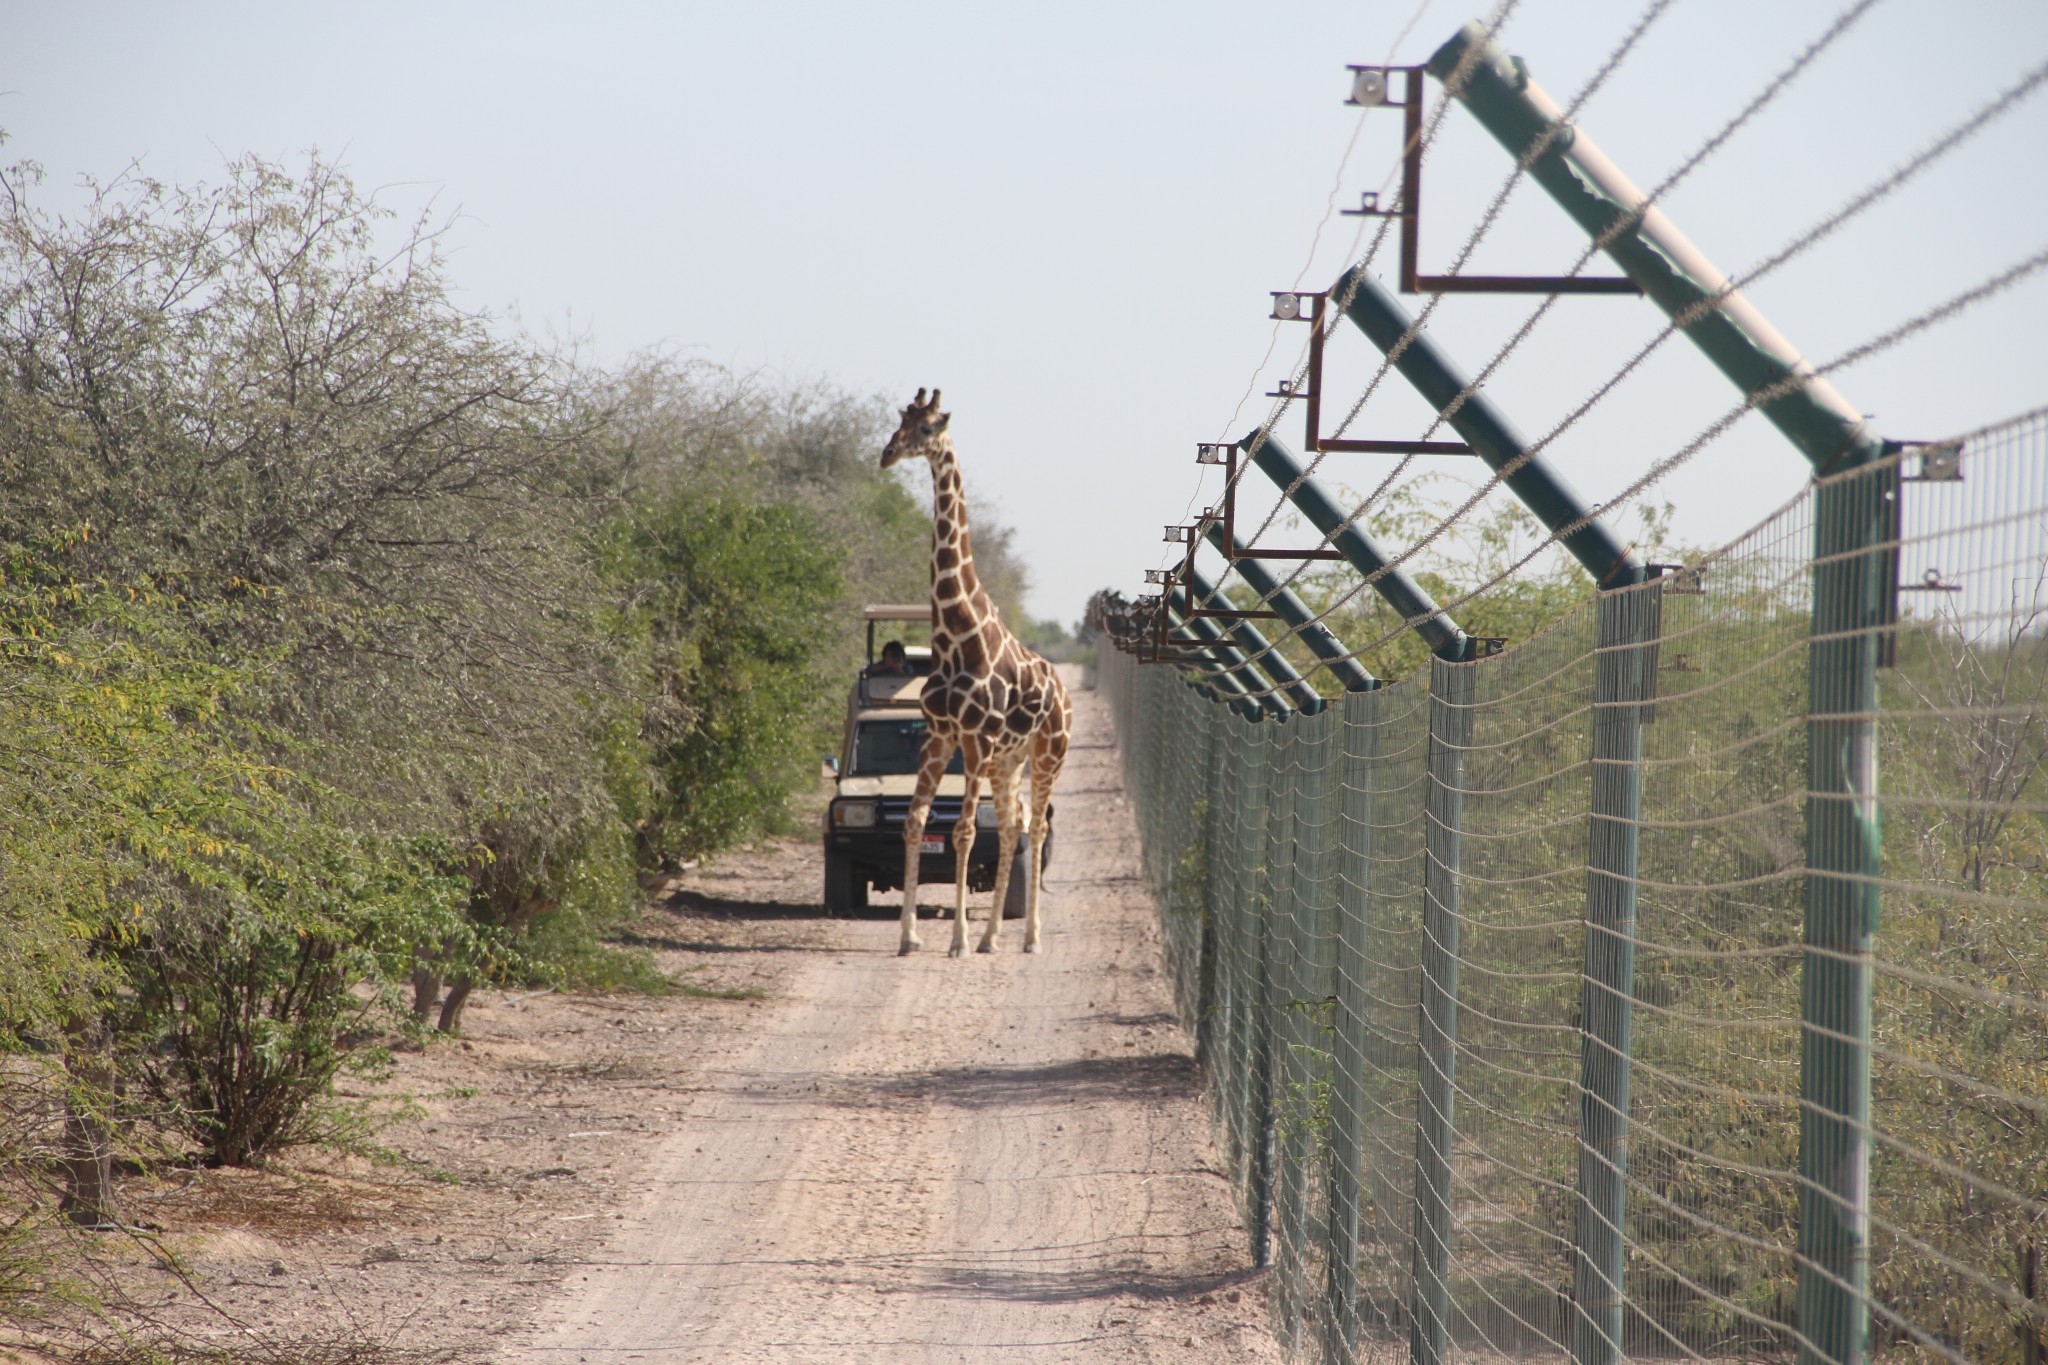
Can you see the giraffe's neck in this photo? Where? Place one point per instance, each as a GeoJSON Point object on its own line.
{"type": "Point", "coordinates": [953, 575]}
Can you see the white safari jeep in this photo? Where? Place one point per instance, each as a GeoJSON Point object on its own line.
{"type": "Point", "coordinates": [877, 776]}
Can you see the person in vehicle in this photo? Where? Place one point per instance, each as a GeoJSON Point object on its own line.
{"type": "Point", "coordinates": [893, 661]}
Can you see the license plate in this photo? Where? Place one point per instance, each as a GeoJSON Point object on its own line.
{"type": "Point", "coordinates": [932, 845]}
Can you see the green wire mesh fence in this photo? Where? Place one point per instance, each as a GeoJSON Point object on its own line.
{"type": "Point", "coordinates": [1383, 930]}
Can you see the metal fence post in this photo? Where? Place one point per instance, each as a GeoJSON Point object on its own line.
{"type": "Point", "coordinates": [1842, 869]}
{"type": "Point", "coordinates": [1285, 915]}
{"type": "Point", "coordinates": [1234, 934]}
{"type": "Point", "coordinates": [1208, 1004]}
{"type": "Point", "coordinates": [1451, 689]}
{"type": "Point", "coordinates": [1311, 903]}
{"type": "Point", "coordinates": [1623, 681]}
{"type": "Point", "coordinates": [1258, 1074]}
{"type": "Point", "coordinates": [1358, 746]}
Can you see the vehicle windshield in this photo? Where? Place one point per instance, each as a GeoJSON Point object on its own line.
{"type": "Point", "coordinates": [887, 748]}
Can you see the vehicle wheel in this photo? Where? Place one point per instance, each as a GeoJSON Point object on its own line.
{"type": "Point", "coordinates": [1017, 896]}
{"type": "Point", "coordinates": [846, 891]}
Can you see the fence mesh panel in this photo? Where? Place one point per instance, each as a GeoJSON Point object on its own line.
{"type": "Point", "coordinates": [1378, 925]}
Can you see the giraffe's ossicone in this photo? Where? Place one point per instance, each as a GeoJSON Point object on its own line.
{"type": "Point", "coordinates": [1000, 704]}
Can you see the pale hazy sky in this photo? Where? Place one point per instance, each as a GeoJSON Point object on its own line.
{"type": "Point", "coordinates": [1069, 215]}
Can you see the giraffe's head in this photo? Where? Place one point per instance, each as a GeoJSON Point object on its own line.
{"type": "Point", "coordinates": [922, 432]}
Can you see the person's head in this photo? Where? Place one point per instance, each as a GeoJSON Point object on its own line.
{"type": "Point", "coordinates": [893, 658]}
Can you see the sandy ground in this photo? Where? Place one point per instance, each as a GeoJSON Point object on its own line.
{"type": "Point", "coordinates": [930, 1159]}
{"type": "Point", "coordinates": [823, 1152]}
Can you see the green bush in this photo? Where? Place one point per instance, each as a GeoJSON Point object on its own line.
{"type": "Point", "coordinates": [736, 598]}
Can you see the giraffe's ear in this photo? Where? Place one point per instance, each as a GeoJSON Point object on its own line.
{"type": "Point", "coordinates": [940, 424]}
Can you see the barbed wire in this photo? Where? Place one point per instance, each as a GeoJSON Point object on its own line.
{"type": "Point", "coordinates": [1840, 25]}
{"type": "Point", "coordinates": [1652, 12]}
{"type": "Point", "coordinates": [1842, 22]}
{"type": "Point", "coordinates": [1948, 142]}
{"type": "Point", "coordinates": [1329, 208]}
{"type": "Point", "coordinates": [1454, 81]}
{"type": "Point", "coordinates": [1939, 313]}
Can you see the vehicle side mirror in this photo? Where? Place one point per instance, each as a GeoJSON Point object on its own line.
{"type": "Point", "coordinates": [832, 764]}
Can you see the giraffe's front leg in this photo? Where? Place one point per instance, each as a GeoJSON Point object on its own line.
{"type": "Point", "coordinates": [963, 842]}
{"type": "Point", "coordinates": [1009, 825]}
{"type": "Point", "coordinates": [931, 761]}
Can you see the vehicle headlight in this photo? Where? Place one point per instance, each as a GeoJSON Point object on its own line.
{"type": "Point", "coordinates": [985, 815]}
{"type": "Point", "coordinates": [854, 814]}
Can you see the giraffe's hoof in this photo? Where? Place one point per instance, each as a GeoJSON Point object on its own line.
{"type": "Point", "coordinates": [957, 950]}
{"type": "Point", "coordinates": [910, 945]}
{"type": "Point", "coordinates": [1031, 947]}
{"type": "Point", "coordinates": [985, 947]}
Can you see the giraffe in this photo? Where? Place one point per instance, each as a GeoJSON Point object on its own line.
{"type": "Point", "coordinates": [1000, 704]}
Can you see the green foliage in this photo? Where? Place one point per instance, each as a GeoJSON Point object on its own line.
{"type": "Point", "coordinates": [251, 978]}
{"type": "Point", "coordinates": [736, 597]}
{"type": "Point", "coordinates": [1047, 636]}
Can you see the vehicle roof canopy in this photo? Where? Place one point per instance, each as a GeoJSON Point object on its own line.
{"type": "Point", "coordinates": [922, 611]}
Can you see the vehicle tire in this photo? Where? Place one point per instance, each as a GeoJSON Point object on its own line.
{"type": "Point", "coordinates": [846, 891]}
{"type": "Point", "coordinates": [1017, 895]}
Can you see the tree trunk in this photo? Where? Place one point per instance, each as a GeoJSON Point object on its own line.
{"type": "Point", "coordinates": [426, 990]}
{"type": "Point", "coordinates": [451, 1008]}
{"type": "Point", "coordinates": [88, 1147]}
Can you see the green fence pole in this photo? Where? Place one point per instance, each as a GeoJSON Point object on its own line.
{"type": "Point", "coordinates": [1451, 689]}
{"type": "Point", "coordinates": [1208, 1004]}
{"type": "Point", "coordinates": [1252, 684]}
{"type": "Point", "coordinates": [1257, 1108]}
{"type": "Point", "coordinates": [1322, 799]}
{"type": "Point", "coordinates": [1358, 745]}
{"type": "Point", "coordinates": [1623, 682]}
{"type": "Point", "coordinates": [1284, 916]}
{"type": "Point", "coordinates": [1351, 675]}
{"type": "Point", "coordinates": [1851, 523]}
{"type": "Point", "coordinates": [1286, 678]}
{"type": "Point", "coordinates": [1228, 908]}
{"type": "Point", "coordinates": [1850, 592]}
{"type": "Point", "coordinates": [1225, 682]}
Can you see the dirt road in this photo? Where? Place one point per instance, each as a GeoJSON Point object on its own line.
{"type": "Point", "coordinates": [925, 1159]}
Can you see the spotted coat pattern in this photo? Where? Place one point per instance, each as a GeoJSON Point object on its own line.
{"type": "Point", "coordinates": [1002, 706]}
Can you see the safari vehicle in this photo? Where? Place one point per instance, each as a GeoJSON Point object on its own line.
{"type": "Point", "coordinates": [876, 776]}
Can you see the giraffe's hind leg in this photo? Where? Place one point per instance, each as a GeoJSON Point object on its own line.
{"type": "Point", "coordinates": [1048, 756]}
{"type": "Point", "coordinates": [1009, 826]}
